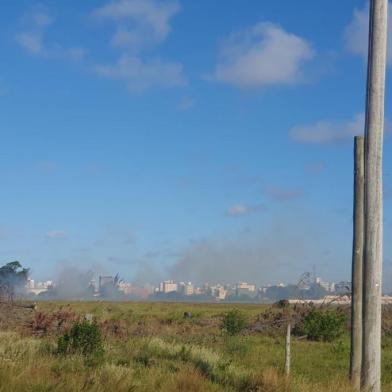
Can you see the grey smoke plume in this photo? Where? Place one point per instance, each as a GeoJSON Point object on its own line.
{"type": "Point", "coordinates": [259, 258]}
{"type": "Point", "coordinates": [280, 253]}
{"type": "Point", "coordinates": [73, 283]}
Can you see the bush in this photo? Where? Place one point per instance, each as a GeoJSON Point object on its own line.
{"type": "Point", "coordinates": [83, 338]}
{"type": "Point", "coordinates": [323, 325]}
{"type": "Point", "coordinates": [233, 322]}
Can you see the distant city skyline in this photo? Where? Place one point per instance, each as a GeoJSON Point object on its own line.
{"type": "Point", "coordinates": [113, 287]}
{"type": "Point", "coordinates": [183, 139]}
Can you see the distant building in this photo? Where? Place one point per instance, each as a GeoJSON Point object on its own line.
{"type": "Point", "coordinates": [330, 287]}
{"type": "Point", "coordinates": [198, 291]}
{"type": "Point", "coordinates": [220, 293]}
{"type": "Point", "coordinates": [343, 287]}
{"type": "Point", "coordinates": [126, 288]}
{"type": "Point", "coordinates": [186, 288]}
{"type": "Point", "coordinates": [243, 288]}
{"type": "Point", "coordinates": [93, 286]}
{"type": "Point", "coordinates": [37, 288]}
{"type": "Point", "coordinates": [168, 286]}
{"type": "Point", "coordinates": [105, 281]}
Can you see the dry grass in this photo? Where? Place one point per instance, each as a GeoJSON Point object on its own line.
{"type": "Point", "coordinates": [152, 347]}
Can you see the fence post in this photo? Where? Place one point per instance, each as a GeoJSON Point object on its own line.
{"type": "Point", "coordinates": [357, 260]}
{"type": "Point", "coordinates": [287, 350]}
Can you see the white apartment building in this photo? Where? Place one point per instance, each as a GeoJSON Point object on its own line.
{"type": "Point", "coordinates": [168, 286]}
{"type": "Point", "coordinates": [245, 286]}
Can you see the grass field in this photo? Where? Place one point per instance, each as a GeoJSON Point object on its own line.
{"type": "Point", "coordinates": [153, 347]}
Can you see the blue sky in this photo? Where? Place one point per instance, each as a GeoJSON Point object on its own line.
{"type": "Point", "coordinates": [199, 140]}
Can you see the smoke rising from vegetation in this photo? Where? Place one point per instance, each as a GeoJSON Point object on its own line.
{"type": "Point", "coordinates": [73, 283]}
{"type": "Point", "coordinates": [260, 258]}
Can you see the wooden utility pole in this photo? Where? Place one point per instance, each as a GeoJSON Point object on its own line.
{"type": "Point", "coordinates": [357, 261]}
{"type": "Point", "coordinates": [287, 350]}
{"type": "Point", "coordinates": [373, 229]}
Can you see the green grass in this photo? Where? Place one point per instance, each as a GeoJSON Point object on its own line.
{"type": "Point", "coordinates": [152, 347]}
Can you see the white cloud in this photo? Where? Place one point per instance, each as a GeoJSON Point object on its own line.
{"type": "Point", "coordinates": [242, 209]}
{"type": "Point", "coordinates": [32, 37]}
{"type": "Point", "coordinates": [140, 25]}
{"type": "Point", "coordinates": [32, 41]}
{"type": "Point", "coordinates": [283, 194]}
{"type": "Point", "coordinates": [332, 132]}
{"type": "Point", "coordinates": [356, 34]}
{"type": "Point", "coordinates": [139, 22]}
{"type": "Point", "coordinates": [139, 75]}
{"type": "Point", "coordinates": [263, 55]}
{"type": "Point", "coordinates": [327, 132]}
{"type": "Point", "coordinates": [54, 234]}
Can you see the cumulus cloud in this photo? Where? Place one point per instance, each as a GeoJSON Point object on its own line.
{"type": "Point", "coordinates": [139, 22]}
{"type": "Point", "coordinates": [54, 234]}
{"type": "Point", "coordinates": [278, 193]}
{"type": "Point", "coordinates": [239, 209]}
{"type": "Point", "coordinates": [140, 75]}
{"type": "Point", "coordinates": [328, 132]}
{"type": "Point", "coordinates": [263, 55]}
{"type": "Point", "coordinates": [356, 34]}
{"type": "Point", "coordinates": [32, 36]}
{"type": "Point", "coordinates": [139, 26]}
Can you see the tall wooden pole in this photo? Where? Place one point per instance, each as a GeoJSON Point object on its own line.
{"type": "Point", "coordinates": [374, 124]}
{"type": "Point", "coordinates": [357, 261]}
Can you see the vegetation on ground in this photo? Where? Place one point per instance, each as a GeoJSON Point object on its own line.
{"type": "Point", "coordinates": [322, 325]}
{"type": "Point", "coordinates": [234, 322]}
{"type": "Point", "coordinates": [84, 338]}
{"type": "Point", "coordinates": [152, 346]}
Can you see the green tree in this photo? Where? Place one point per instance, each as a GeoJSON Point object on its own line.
{"type": "Point", "coordinates": [12, 277]}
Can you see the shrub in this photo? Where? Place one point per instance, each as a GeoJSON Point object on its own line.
{"type": "Point", "coordinates": [233, 322]}
{"type": "Point", "coordinates": [323, 325]}
{"type": "Point", "coordinates": [83, 338]}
